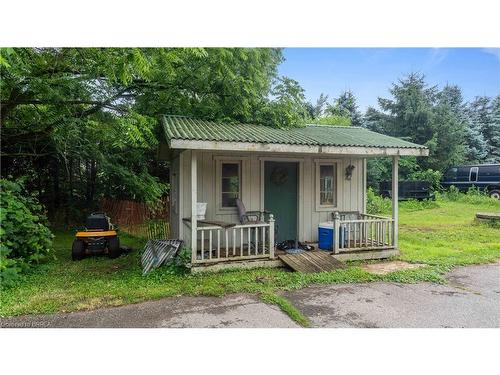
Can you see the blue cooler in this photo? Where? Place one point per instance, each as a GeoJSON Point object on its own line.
{"type": "Point", "coordinates": [326, 235]}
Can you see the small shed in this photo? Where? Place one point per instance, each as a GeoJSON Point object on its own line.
{"type": "Point", "coordinates": [297, 178]}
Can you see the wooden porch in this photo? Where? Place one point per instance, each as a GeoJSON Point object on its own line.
{"type": "Point", "coordinates": [362, 236]}
{"type": "Point", "coordinates": [358, 235]}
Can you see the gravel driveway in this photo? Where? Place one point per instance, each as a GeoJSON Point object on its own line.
{"type": "Point", "coordinates": [470, 299]}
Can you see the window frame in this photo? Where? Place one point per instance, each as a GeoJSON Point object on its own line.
{"type": "Point", "coordinates": [476, 171]}
{"type": "Point", "coordinates": [220, 160]}
{"type": "Point", "coordinates": [336, 186]}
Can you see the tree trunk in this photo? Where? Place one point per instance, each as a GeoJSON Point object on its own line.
{"type": "Point", "coordinates": [92, 174]}
{"type": "Point", "coordinates": [69, 203]}
{"type": "Point", "coordinates": [56, 188]}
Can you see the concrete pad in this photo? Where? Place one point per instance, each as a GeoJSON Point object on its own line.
{"type": "Point", "coordinates": [472, 299]}
{"type": "Point", "coordinates": [235, 311]}
{"type": "Point", "coordinates": [388, 267]}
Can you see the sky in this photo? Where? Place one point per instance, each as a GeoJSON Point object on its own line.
{"type": "Point", "coordinates": [369, 72]}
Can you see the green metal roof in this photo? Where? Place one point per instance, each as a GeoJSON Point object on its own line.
{"type": "Point", "coordinates": [184, 128]}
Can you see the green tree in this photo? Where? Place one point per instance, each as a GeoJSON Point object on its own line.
{"type": "Point", "coordinates": [82, 122]}
{"type": "Point", "coordinates": [484, 115]}
{"type": "Point", "coordinates": [324, 113]}
{"type": "Point", "coordinates": [317, 110]}
{"type": "Point", "coordinates": [225, 84]}
{"type": "Point", "coordinates": [409, 113]}
{"type": "Point", "coordinates": [334, 120]}
{"type": "Point", "coordinates": [494, 131]}
{"type": "Point", "coordinates": [67, 120]}
{"type": "Point", "coordinates": [424, 115]}
{"type": "Point", "coordinates": [447, 146]}
{"type": "Point", "coordinates": [288, 106]}
{"type": "Point", "coordinates": [478, 113]}
{"type": "Point", "coordinates": [346, 106]}
{"type": "Point", "coordinates": [375, 120]}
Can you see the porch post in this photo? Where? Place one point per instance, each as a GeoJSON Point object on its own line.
{"type": "Point", "coordinates": [194, 199]}
{"type": "Point", "coordinates": [364, 185]}
{"type": "Point", "coordinates": [395, 193]}
{"type": "Point", "coordinates": [271, 236]}
{"type": "Point", "coordinates": [337, 237]}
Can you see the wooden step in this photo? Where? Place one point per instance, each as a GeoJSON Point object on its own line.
{"type": "Point", "coordinates": [311, 261]}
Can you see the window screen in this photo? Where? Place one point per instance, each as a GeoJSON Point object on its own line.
{"type": "Point", "coordinates": [327, 185]}
{"type": "Point", "coordinates": [231, 184]}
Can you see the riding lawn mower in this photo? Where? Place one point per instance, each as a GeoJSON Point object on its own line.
{"type": "Point", "coordinates": [99, 237]}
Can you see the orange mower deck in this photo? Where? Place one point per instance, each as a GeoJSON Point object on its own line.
{"type": "Point", "coordinates": [107, 233]}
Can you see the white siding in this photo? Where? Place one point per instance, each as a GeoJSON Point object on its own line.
{"type": "Point", "coordinates": [351, 193]}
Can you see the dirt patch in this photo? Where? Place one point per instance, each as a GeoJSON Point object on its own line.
{"type": "Point", "coordinates": [415, 228]}
{"type": "Point", "coordinates": [387, 267]}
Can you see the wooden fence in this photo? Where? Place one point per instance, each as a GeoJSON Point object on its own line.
{"type": "Point", "coordinates": [139, 219]}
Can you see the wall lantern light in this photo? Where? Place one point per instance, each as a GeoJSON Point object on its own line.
{"type": "Point", "coordinates": [348, 171]}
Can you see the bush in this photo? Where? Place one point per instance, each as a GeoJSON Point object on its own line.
{"type": "Point", "coordinates": [333, 120]}
{"type": "Point", "coordinates": [473, 195]}
{"type": "Point", "coordinates": [429, 175]}
{"type": "Point", "coordinates": [476, 196]}
{"type": "Point", "coordinates": [452, 194]}
{"type": "Point", "coordinates": [375, 204]}
{"type": "Point", "coordinates": [25, 239]}
{"type": "Point", "coordinates": [380, 169]}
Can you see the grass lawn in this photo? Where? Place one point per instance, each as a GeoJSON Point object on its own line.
{"type": "Point", "coordinates": [441, 237]}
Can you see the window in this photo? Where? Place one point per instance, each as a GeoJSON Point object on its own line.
{"type": "Point", "coordinates": [451, 174]}
{"type": "Point", "coordinates": [473, 174]}
{"type": "Point", "coordinates": [326, 185]}
{"type": "Point", "coordinates": [463, 174]}
{"type": "Point", "coordinates": [490, 171]}
{"type": "Point", "coordinates": [230, 180]}
{"type": "Point", "coordinates": [230, 183]}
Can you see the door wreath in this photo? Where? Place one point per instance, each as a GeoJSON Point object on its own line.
{"type": "Point", "coordinates": [279, 175]}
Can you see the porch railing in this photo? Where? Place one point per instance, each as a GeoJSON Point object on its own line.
{"type": "Point", "coordinates": [367, 232]}
{"type": "Point", "coordinates": [239, 242]}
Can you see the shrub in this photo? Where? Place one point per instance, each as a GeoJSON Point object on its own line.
{"type": "Point", "coordinates": [25, 239]}
{"type": "Point", "coordinates": [380, 169]}
{"type": "Point", "coordinates": [429, 175]}
{"type": "Point", "coordinates": [452, 194]}
{"type": "Point", "coordinates": [473, 195]}
{"type": "Point", "coordinates": [476, 196]}
{"type": "Point", "coordinates": [179, 264]}
{"type": "Point", "coordinates": [375, 204]}
{"type": "Point", "coordinates": [333, 120]}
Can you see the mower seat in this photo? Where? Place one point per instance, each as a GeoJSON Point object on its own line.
{"type": "Point", "coordinates": [97, 221]}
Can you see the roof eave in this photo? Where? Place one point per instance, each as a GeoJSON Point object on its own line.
{"type": "Point", "coordinates": [296, 149]}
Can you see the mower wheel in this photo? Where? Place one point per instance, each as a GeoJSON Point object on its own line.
{"type": "Point", "coordinates": [114, 247]}
{"type": "Point", "coordinates": [78, 250]}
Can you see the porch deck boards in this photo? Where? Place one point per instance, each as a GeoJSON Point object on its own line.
{"type": "Point", "coordinates": [311, 262]}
